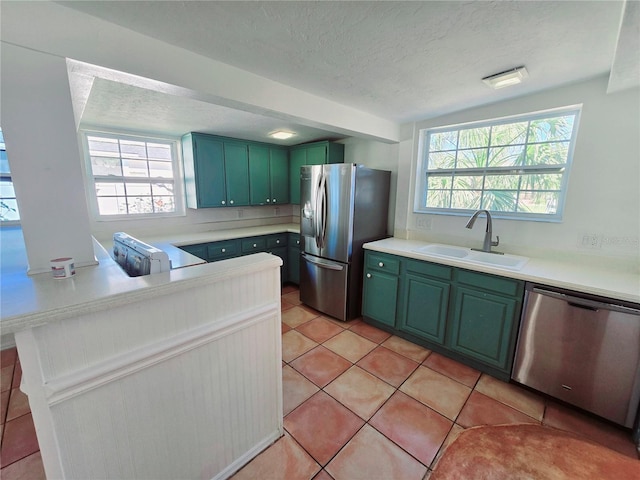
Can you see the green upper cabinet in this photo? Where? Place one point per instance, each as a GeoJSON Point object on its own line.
{"type": "Point", "coordinates": [204, 176]}
{"type": "Point", "coordinates": [236, 164]}
{"type": "Point", "coordinates": [260, 192]}
{"type": "Point", "coordinates": [298, 159]}
{"type": "Point", "coordinates": [268, 175]}
{"type": "Point", "coordinates": [228, 172]}
{"type": "Point", "coordinates": [216, 171]}
{"type": "Point", "coordinates": [317, 153]}
{"type": "Point", "coordinates": [279, 175]}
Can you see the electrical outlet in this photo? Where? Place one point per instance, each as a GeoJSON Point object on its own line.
{"type": "Point", "coordinates": [423, 223]}
{"type": "Point", "coordinates": [589, 240]}
{"type": "Point", "coordinates": [240, 213]}
{"type": "Point", "coordinates": [276, 211]}
{"type": "Point", "coordinates": [620, 242]}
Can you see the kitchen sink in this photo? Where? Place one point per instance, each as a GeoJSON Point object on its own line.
{"type": "Point", "coordinates": [444, 250]}
{"type": "Point", "coordinates": [510, 262]}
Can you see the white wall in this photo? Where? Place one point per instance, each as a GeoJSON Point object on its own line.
{"type": "Point", "coordinates": [202, 220]}
{"type": "Point", "coordinates": [603, 196]}
{"type": "Point", "coordinates": [40, 135]}
{"type": "Point", "coordinates": [377, 155]}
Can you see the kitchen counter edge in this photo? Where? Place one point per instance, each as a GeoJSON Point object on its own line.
{"type": "Point", "coordinates": [577, 277]}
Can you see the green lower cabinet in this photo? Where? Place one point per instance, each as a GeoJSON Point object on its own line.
{"type": "Point", "coordinates": [426, 303]}
{"type": "Point", "coordinates": [483, 326]}
{"type": "Point", "coordinates": [199, 250]}
{"type": "Point", "coordinates": [380, 296]}
{"type": "Point", "coordinates": [294, 265]}
{"type": "Point", "coordinates": [222, 250]}
{"type": "Point", "coordinates": [471, 316]}
{"type": "Point", "coordinates": [283, 254]}
{"type": "Point", "coordinates": [294, 258]}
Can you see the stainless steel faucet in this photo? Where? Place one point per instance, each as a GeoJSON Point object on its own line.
{"type": "Point", "coordinates": [486, 246]}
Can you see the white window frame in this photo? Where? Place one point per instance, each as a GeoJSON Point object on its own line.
{"type": "Point", "coordinates": [420, 196]}
{"type": "Point", "coordinates": [5, 177]}
{"type": "Point", "coordinates": [178, 174]}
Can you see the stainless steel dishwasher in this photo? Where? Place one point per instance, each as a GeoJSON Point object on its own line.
{"type": "Point", "coordinates": [581, 349]}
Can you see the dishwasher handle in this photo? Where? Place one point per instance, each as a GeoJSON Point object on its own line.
{"type": "Point", "coordinates": [586, 303]}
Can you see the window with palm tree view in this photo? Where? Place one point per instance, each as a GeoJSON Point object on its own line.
{"type": "Point", "coordinates": [516, 167]}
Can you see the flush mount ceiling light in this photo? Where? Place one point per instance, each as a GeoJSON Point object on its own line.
{"type": "Point", "coordinates": [281, 134]}
{"type": "Point", "coordinates": [506, 78]}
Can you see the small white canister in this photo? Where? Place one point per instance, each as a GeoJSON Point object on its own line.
{"type": "Point", "coordinates": [62, 267]}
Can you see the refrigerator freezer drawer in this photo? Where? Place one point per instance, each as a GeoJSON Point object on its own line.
{"type": "Point", "coordinates": [323, 285]}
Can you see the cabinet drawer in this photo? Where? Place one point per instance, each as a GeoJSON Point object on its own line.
{"type": "Point", "coordinates": [383, 263]}
{"type": "Point", "coordinates": [505, 286]}
{"type": "Point", "coordinates": [199, 250]}
{"type": "Point", "coordinates": [278, 240]}
{"type": "Point", "coordinates": [255, 244]}
{"type": "Point", "coordinates": [225, 249]}
{"type": "Point", "coordinates": [430, 269]}
{"type": "Point", "coordinates": [294, 239]}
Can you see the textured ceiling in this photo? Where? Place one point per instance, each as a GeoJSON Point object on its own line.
{"type": "Point", "coordinates": [401, 61]}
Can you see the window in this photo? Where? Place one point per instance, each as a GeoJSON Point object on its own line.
{"type": "Point", "coordinates": [8, 204]}
{"type": "Point", "coordinates": [515, 168]}
{"type": "Point", "coordinates": [133, 176]}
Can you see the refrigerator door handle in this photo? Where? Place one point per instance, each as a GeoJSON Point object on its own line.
{"type": "Point", "coordinates": [323, 263]}
{"type": "Point", "coordinates": [323, 196]}
{"type": "Point", "coordinates": [320, 208]}
{"type": "Point", "coordinates": [316, 213]}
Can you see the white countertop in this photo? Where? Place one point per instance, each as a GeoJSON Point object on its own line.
{"type": "Point", "coordinates": [29, 300]}
{"type": "Point", "coordinates": [575, 276]}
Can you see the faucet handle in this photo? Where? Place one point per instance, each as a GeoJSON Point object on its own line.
{"type": "Point", "coordinates": [497, 242]}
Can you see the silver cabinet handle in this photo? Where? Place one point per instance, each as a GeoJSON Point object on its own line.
{"type": "Point", "coordinates": [277, 241]}
{"type": "Point", "coordinates": [274, 200]}
{"type": "Point", "coordinates": [381, 264]}
{"type": "Point", "coordinates": [231, 202]}
{"type": "Point", "coordinates": [223, 202]}
{"type": "Point", "coordinates": [368, 275]}
{"type": "Point", "coordinates": [254, 245]}
{"type": "Point", "coordinates": [224, 250]}
{"type": "Point", "coordinates": [267, 200]}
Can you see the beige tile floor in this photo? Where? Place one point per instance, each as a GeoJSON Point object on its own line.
{"type": "Point", "coordinates": [358, 403]}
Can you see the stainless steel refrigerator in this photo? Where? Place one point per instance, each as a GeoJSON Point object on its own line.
{"type": "Point", "coordinates": [342, 206]}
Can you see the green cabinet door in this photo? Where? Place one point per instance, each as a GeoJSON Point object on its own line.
{"type": "Point", "coordinates": [294, 265]}
{"type": "Point", "coordinates": [297, 160]}
{"type": "Point", "coordinates": [380, 296]}
{"type": "Point", "coordinates": [259, 191]}
{"type": "Point", "coordinates": [426, 303]}
{"type": "Point", "coordinates": [317, 154]}
{"type": "Point", "coordinates": [209, 172]}
{"type": "Point", "coordinates": [279, 175]}
{"type": "Point", "coordinates": [283, 254]}
{"type": "Point", "coordinates": [236, 163]}
{"type": "Point", "coordinates": [482, 326]}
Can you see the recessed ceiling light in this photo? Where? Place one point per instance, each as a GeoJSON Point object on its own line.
{"type": "Point", "coordinates": [281, 134]}
{"type": "Point", "coordinates": [507, 78]}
